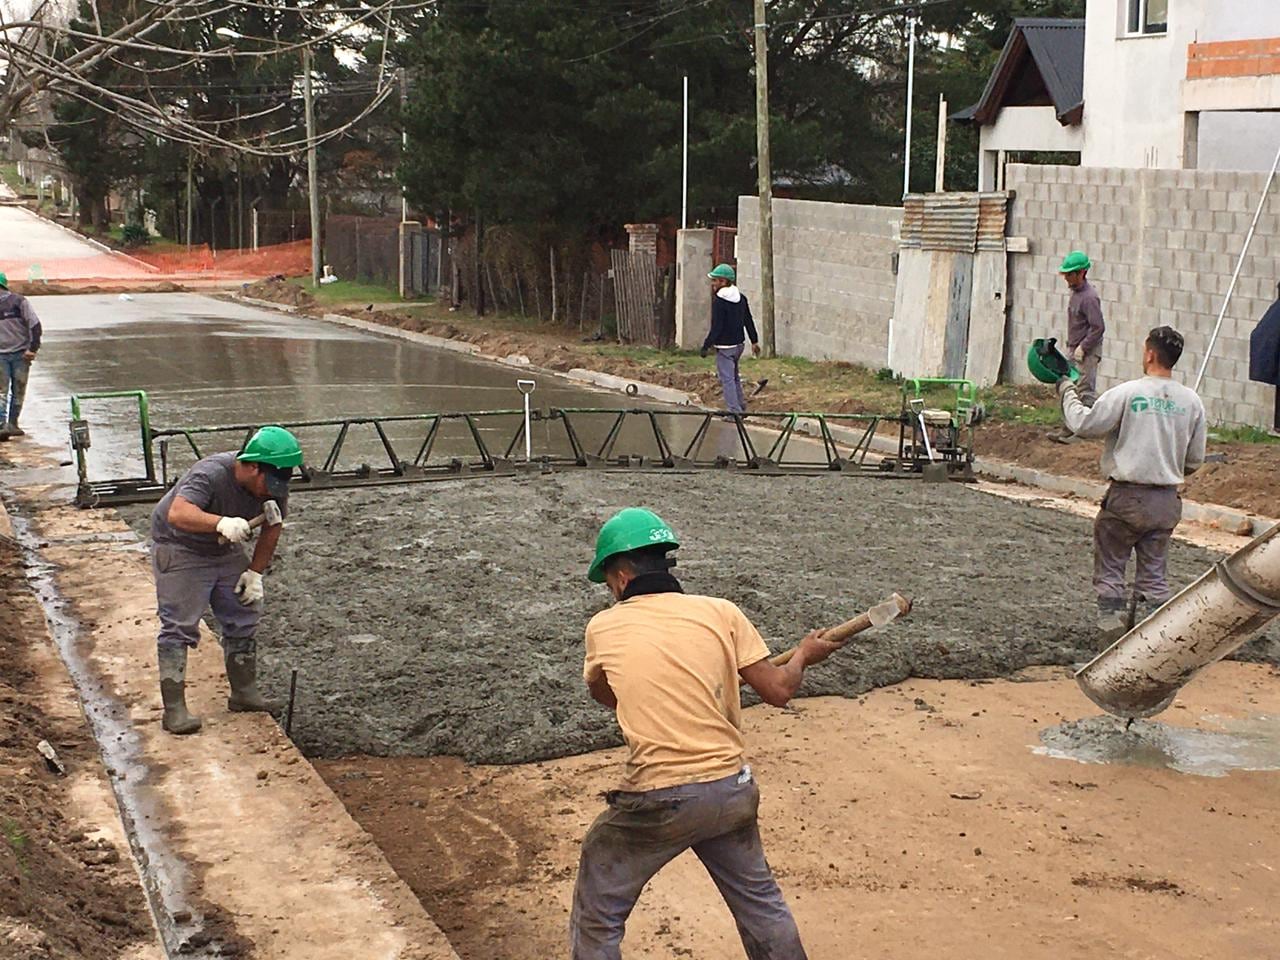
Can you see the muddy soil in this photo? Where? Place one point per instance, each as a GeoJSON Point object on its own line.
{"type": "Point", "coordinates": [916, 816]}
{"type": "Point", "coordinates": [447, 618]}
{"type": "Point", "coordinates": [65, 893]}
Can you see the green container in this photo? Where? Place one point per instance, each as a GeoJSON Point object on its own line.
{"type": "Point", "coordinates": [1047, 364]}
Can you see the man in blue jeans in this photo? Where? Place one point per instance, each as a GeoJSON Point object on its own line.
{"type": "Point", "coordinates": [731, 325]}
{"type": "Point", "coordinates": [19, 342]}
{"type": "Point", "coordinates": [668, 664]}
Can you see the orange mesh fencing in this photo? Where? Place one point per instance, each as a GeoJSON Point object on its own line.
{"type": "Point", "coordinates": [289, 259]}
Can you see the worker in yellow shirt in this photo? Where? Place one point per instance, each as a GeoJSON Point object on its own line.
{"type": "Point", "coordinates": [669, 664]}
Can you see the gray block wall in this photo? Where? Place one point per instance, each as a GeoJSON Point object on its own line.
{"type": "Point", "coordinates": [1164, 245]}
{"type": "Point", "coordinates": [833, 276]}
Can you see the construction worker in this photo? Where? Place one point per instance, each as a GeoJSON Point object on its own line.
{"type": "Point", "coordinates": [1085, 328]}
{"type": "Point", "coordinates": [669, 664]}
{"type": "Point", "coordinates": [196, 533]}
{"type": "Point", "coordinates": [731, 326]}
{"type": "Point", "coordinates": [19, 342]}
{"type": "Point", "coordinates": [1155, 436]}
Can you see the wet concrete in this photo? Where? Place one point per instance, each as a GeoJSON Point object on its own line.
{"type": "Point", "coordinates": [1240, 744]}
{"type": "Point", "coordinates": [448, 618]}
{"type": "Point", "coordinates": [205, 361]}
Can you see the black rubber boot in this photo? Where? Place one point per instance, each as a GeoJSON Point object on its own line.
{"type": "Point", "coordinates": [242, 673]}
{"type": "Point", "coordinates": [173, 691]}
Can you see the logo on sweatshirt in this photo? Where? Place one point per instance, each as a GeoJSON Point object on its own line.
{"type": "Point", "coordinates": [1157, 405]}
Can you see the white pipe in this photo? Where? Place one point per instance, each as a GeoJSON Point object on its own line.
{"type": "Point", "coordinates": [1217, 327]}
{"type": "Point", "coordinates": [1139, 675]}
{"type": "Point", "coordinates": [684, 180]}
{"type": "Point", "coordinates": [911, 89]}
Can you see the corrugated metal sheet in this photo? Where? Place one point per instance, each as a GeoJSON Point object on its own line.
{"type": "Point", "coordinates": [960, 222]}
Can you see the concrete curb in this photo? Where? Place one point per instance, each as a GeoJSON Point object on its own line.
{"type": "Point", "coordinates": [1230, 519]}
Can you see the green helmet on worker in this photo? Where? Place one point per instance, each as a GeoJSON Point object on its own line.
{"type": "Point", "coordinates": [722, 271]}
{"type": "Point", "coordinates": [631, 529]}
{"type": "Point", "coordinates": [1075, 260]}
{"type": "Point", "coordinates": [4, 281]}
{"type": "Point", "coordinates": [277, 451]}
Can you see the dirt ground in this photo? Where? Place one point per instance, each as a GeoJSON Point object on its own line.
{"type": "Point", "coordinates": [68, 889]}
{"type": "Point", "coordinates": [447, 618]}
{"type": "Point", "coordinates": [914, 822]}
{"type": "Point", "coordinates": [1243, 479]}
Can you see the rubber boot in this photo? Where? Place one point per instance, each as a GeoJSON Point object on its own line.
{"type": "Point", "coordinates": [1113, 622]}
{"type": "Point", "coordinates": [13, 430]}
{"type": "Point", "coordinates": [173, 691]}
{"type": "Point", "coordinates": [242, 673]}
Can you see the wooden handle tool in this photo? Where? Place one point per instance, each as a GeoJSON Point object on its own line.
{"type": "Point", "coordinates": [896, 607]}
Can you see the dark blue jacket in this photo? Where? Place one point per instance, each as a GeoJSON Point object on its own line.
{"type": "Point", "coordinates": [731, 323]}
{"type": "Point", "coordinates": [1264, 348]}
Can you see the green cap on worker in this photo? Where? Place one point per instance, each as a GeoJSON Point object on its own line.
{"type": "Point", "coordinates": [631, 529]}
{"type": "Point", "coordinates": [1075, 260]}
{"type": "Point", "coordinates": [1047, 364]}
{"type": "Point", "coordinates": [722, 271]}
{"type": "Point", "coordinates": [277, 448]}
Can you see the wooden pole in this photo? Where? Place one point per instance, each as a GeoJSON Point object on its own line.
{"type": "Point", "coordinates": [764, 169]}
{"type": "Point", "coordinates": [313, 189]}
{"type": "Point", "coordinates": [939, 175]}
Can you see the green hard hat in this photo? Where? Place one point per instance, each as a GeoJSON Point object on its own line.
{"type": "Point", "coordinates": [1047, 364]}
{"type": "Point", "coordinates": [627, 530]}
{"type": "Point", "coordinates": [274, 446]}
{"type": "Point", "coordinates": [1073, 261]}
{"type": "Point", "coordinates": [4, 281]}
{"type": "Point", "coordinates": [722, 271]}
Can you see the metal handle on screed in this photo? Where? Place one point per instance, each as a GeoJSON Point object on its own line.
{"type": "Point", "coordinates": [526, 387]}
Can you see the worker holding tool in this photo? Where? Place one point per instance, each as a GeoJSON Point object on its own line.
{"type": "Point", "coordinates": [1085, 328]}
{"type": "Point", "coordinates": [19, 342]}
{"type": "Point", "coordinates": [1155, 436]}
{"type": "Point", "coordinates": [196, 533]}
{"type": "Point", "coordinates": [731, 326]}
{"type": "Point", "coordinates": [669, 664]}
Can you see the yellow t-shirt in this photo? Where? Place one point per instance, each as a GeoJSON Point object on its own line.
{"type": "Point", "coordinates": [672, 659]}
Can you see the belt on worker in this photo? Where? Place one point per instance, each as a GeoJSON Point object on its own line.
{"type": "Point", "coordinates": [1142, 486]}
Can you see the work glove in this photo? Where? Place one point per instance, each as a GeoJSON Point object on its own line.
{"type": "Point", "coordinates": [1078, 354]}
{"type": "Point", "coordinates": [249, 588]}
{"type": "Point", "coordinates": [234, 529]}
{"type": "Point", "coordinates": [1064, 384]}
{"type": "Point", "coordinates": [703, 353]}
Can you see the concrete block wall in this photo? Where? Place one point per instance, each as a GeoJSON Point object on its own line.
{"type": "Point", "coordinates": [833, 276]}
{"type": "Point", "coordinates": [1164, 245]}
{"type": "Point", "coordinates": [693, 289]}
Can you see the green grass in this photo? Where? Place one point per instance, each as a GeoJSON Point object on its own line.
{"type": "Point", "coordinates": [350, 293]}
{"type": "Point", "coordinates": [1242, 435]}
{"type": "Point", "coordinates": [18, 841]}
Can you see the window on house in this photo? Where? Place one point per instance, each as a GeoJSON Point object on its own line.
{"type": "Point", "coordinates": [1148, 16]}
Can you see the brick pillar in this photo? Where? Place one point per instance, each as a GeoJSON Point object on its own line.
{"type": "Point", "coordinates": [644, 238]}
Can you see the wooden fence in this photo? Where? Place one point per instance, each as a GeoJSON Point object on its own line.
{"type": "Point", "coordinates": [645, 299]}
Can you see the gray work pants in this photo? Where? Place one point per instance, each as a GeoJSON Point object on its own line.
{"type": "Point", "coordinates": [1135, 518]}
{"type": "Point", "coordinates": [188, 584]}
{"type": "Point", "coordinates": [1087, 385]}
{"type": "Point", "coordinates": [735, 401]}
{"type": "Point", "coordinates": [641, 832]}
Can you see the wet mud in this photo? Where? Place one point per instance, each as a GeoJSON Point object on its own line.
{"type": "Point", "coordinates": [448, 618]}
{"type": "Point", "coordinates": [1250, 744]}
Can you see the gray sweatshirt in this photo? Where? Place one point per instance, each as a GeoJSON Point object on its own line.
{"type": "Point", "coordinates": [19, 325]}
{"type": "Point", "coordinates": [1155, 429]}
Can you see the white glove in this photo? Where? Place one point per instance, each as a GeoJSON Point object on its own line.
{"type": "Point", "coordinates": [234, 529]}
{"type": "Point", "coordinates": [1078, 354]}
{"type": "Point", "coordinates": [249, 587]}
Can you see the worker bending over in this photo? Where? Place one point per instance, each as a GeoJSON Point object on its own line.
{"type": "Point", "coordinates": [669, 664]}
{"type": "Point", "coordinates": [196, 533]}
{"type": "Point", "coordinates": [1155, 436]}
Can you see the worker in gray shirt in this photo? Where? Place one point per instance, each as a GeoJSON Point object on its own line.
{"type": "Point", "coordinates": [1155, 436]}
{"type": "Point", "coordinates": [1085, 328]}
{"type": "Point", "coordinates": [19, 343]}
{"type": "Point", "coordinates": [199, 565]}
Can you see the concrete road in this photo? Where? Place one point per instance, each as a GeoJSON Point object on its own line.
{"type": "Point", "coordinates": [204, 361]}
{"type": "Point", "coordinates": [32, 248]}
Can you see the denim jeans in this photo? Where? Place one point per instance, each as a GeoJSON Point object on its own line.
{"type": "Point", "coordinates": [730, 380]}
{"type": "Point", "coordinates": [14, 369]}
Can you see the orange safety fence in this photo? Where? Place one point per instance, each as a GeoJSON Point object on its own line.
{"type": "Point", "coordinates": [285, 258]}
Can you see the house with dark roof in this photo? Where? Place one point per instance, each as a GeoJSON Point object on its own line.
{"type": "Point", "coordinates": [1137, 84]}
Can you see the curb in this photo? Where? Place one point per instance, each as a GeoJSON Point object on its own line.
{"type": "Point", "coordinates": [92, 242]}
{"type": "Point", "coordinates": [1230, 519]}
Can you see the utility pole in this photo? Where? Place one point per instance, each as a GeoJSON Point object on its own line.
{"type": "Point", "coordinates": [911, 90]}
{"type": "Point", "coordinates": [765, 170]}
{"type": "Point", "coordinates": [312, 188]}
{"type": "Point", "coordinates": [684, 163]}
{"type": "Point", "coordinates": [404, 140]}
{"type": "Point", "coordinates": [191, 216]}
